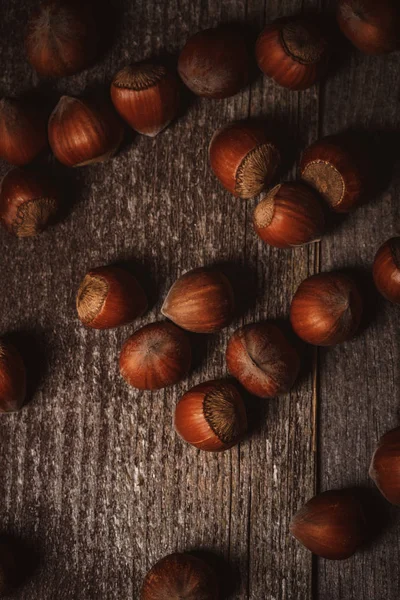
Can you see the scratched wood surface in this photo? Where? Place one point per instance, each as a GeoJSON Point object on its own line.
{"type": "Point", "coordinates": [95, 484]}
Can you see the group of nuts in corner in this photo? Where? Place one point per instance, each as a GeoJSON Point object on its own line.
{"type": "Point", "coordinates": [63, 39]}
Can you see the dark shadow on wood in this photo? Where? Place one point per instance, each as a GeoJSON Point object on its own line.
{"type": "Point", "coordinates": [243, 279]}
{"type": "Point", "coordinates": [372, 300]}
{"type": "Point", "coordinates": [142, 269]}
{"type": "Point", "coordinates": [34, 349]}
{"type": "Point", "coordinates": [228, 574]}
{"type": "Point", "coordinates": [21, 559]}
{"type": "Point", "coordinates": [379, 514]}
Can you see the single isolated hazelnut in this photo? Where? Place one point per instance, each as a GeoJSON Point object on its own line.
{"type": "Point", "coordinates": [211, 416]}
{"type": "Point", "coordinates": [385, 466]}
{"type": "Point", "coordinates": [61, 38]}
{"type": "Point", "coordinates": [294, 51]}
{"type": "Point", "coordinates": [23, 132]}
{"type": "Point", "coordinates": [290, 215]}
{"type": "Point", "coordinates": [215, 63]}
{"type": "Point", "coordinates": [12, 379]}
{"type": "Point", "coordinates": [180, 577]}
{"type": "Point", "coordinates": [155, 356]}
{"type": "Point", "coordinates": [331, 525]}
{"type": "Point", "coordinates": [386, 270]}
{"type": "Point", "coordinates": [109, 297]}
{"type": "Point", "coordinates": [200, 301]}
{"type": "Point", "coordinates": [326, 309]}
{"type": "Point", "coordinates": [372, 26]}
{"type": "Point", "coordinates": [29, 202]}
{"type": "Point", "coordinates": [146, 95]}
{"type": "Point", "coordinates": [82, 133]}
{"type": "Point", "coordinates": [244, 158]}
{"type": "Point", "coordinates": [336, 167]}
{"type": "Point", "coordinates": [262, 359]}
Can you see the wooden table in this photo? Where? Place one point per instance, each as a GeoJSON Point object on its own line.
{"type": "Point", "coordinates": [94, 478]}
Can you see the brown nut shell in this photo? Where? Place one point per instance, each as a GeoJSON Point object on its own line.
{"type": "Point", "coordinates": [386, 270]}
{"type": "Point", "coordinates": [339, 170]}
{"type": "Point", "coordinates": [290, 215]}
{"type": "Point", "coordinates": [178, 577]}
{"type": "Point", "coordinates": [215, 63]}
{"type": "Point", "coordinates": [147, 96]}
{"type": "Point", "coordinates": [373, 27]}
{"type": "Point", "coordinates": [61, 38]}
{"type": "Point", "coordinates": [12, 379]}
{"type": "Point", "coordinates": [82, 133]}
{"type": "Point", "coordinates": [385, 466]}
{"type": "Point", "coordinates": [23, 132]}
{"type": "Point", "coordinates": [331, 524]}
{"type": "Point", "coordinates": [155, 356]}
{"type": "Point", "coordinates": [261, 358]}
{"type": "Point", "coordinates": [109, 297]}
{"type": "Point", "coordinates": [326, 309]}
{"type": "Point", "coordinates": [211, 416]}
{"type": "Point", "coordinates": [294, 52]}
{"type": "Point", "coordinates": [29, 202]}
{"type": "Point", "coordinates": [244, 158]}
{"type": "Point", "coordinates": [201, 301]}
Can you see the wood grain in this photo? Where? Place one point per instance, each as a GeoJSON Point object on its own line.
{"type": "Point", "coordinates": [95, 481]}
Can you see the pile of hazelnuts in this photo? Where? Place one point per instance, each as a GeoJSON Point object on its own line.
{"type": "Point", "coordinates": [335, 172]}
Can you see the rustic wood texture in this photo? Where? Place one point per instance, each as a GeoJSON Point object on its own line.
{"type": "Point", "coordinates": [95, 481]}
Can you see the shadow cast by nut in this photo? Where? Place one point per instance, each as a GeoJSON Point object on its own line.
{"type": "Point", "coordinates": [372, 300]}
{"type": "Point", "coordinates": [21, 559]}
{"type": "Point", "coordinates": [243, 279]}
{"type": "Point", "coordinates": [228, 575]}
{"type": "Point", "coordinates": [380, 516]}
{"type": "Point", "coordinates": [34, 349]}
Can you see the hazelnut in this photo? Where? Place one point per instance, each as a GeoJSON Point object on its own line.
{"type": "Point", "coordinates": [109, 297]}
{"type": "Point", "coordinates": [290, 215]}
{"type": "Point", "coordinates": [200, 301]}
{"type": "Point", "coordinates": [244, 158]}
{"type": "Point", "coordinates": [326, 309]}
{"type": "Point", "coordinates": [211, 416]}
{"type": "Point", "coordinates": [23, 132]}
{"type": "Point", "coordinates": [12, 379]}
{"type": "Point", "coordinates": [386, 270]}
{"type": "Point", "coordinates": [155, 356]}
{"type": "Point", "coordinates": [262, 359]}
{"type": "Point", "coordinates": [385, 466]}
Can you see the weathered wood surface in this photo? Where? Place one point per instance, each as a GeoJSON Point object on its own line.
{"type": "Point", "coordinates": [94, 477]}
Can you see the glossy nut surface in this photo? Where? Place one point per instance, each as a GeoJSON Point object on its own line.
{"type": "Point", "coordinates": [385, 466]}
{"type": "Point", "coordinates": [386, 270]}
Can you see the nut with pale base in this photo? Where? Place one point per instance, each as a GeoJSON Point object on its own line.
{"type": "Point", "coordinates": [244, 158]}
{"type": "Point", "coordinates": [29, 202]}
{"type": "Point", "coordinates": [294, 51]}
{"type": "Point", "coordinates": [385, 466]}
{"type": "Point", "coordinates": [372, 26]}
{"type": "Point", "coordinates": [12, 379]}
{"type": "Point", "coordinates": [338, 169]}
{"type": "Point", "coordinates": [155, 356]}
{"type": "Point", "coordinates": [62, 38]}
{"type": "Point", "coordinates": [290, 215]}
{"type": "Point", "coordinates": [211, 416]}
{"type": "Point", "coordinates": [215, 63]}
{"type": "Point", "coordinates": [331, 525]}
{"type": "Point", "coordinates": [147, 96]}
{"type": "Point", "coordinates": [386, 270]}
{"type": "Point", "coordinates": [326, 309]}
{"type": "Point", "coordinates": [180, 577]}
{"type": "Point", "coordinates": [82, 133]}
{"type": "Point", "coordinates": [23, 132]}
{"type": "Point", "coordinates": [200, 301]}
{"type": "Point", "coordinates": [109, 297]}
{"type": "Point", "coordinates": [262, 359]}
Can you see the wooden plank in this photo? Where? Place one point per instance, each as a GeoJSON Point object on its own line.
{"type": "Point", "coordinates": [360, 379]}
{"type": "Point", "coordinates": [94, 475]}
